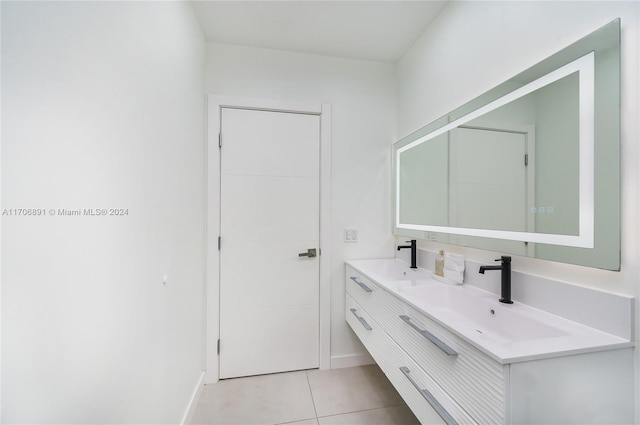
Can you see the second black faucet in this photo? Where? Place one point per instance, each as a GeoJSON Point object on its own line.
{"type": "Point", "coordinates": [505, 277]}
{"type": "Point", "coordinates": [413, 252]}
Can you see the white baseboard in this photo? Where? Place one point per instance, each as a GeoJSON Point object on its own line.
{"type": "Point", "coordinates": [193, 402]}
{"type": "Point", "coordinates": [351, 360]}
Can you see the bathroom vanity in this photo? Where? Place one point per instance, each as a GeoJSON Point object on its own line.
{"type": "Point", "coordinates": [457, 355]}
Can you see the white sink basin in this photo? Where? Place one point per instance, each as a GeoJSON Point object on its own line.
{"type": "Point", "coordinates": [500, 322]}
{"type": "Point", "coordinates": [393, 270]}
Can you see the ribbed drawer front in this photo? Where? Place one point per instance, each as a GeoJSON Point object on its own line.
{"type": "Point", "coordinates": [472, 378]}
{"type": "Point", "coordinates": [412, 383]}
{"type": "Point", "coordinates": [361, 288]}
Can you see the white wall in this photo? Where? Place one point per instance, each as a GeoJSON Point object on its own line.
{"type": "Point", "coordinates": [474, 46]}
{"type": "Point", "coordinates": [102, 107]}
{"type": "Point", "coordinates": [362, 97]}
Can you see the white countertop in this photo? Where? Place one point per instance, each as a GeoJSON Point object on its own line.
{"type": "Point", "coordinates": [508, 333]}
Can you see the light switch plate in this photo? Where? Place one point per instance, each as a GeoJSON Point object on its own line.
{"type": "Point", "coordinates": [350, 234]}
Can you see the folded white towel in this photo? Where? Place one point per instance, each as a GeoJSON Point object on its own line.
{"type": "Point", "coordinates": [454, 268]}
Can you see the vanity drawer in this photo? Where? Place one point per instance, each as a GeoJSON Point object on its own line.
{"type": "Point", "coordinates": [361, 288]}
{"type": "Point", "coordinates": [472, 378]}
{"type": "Point", "coordinates": [427, 400]}
{"type": "Point", "coordinates": [361, 323]}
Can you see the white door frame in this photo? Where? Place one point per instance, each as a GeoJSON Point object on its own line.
{"type": "Point", "coordinates": [212, 196]}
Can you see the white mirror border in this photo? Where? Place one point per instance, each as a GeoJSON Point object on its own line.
{"type": "Point", "coordinates": [585, 238]}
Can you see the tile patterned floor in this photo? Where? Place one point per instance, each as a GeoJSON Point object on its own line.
{"type": "Point", "coordinates": [358, 395]}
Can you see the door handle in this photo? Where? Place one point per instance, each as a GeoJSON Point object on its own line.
{"type": "Point", "coordinates": [311, 252]}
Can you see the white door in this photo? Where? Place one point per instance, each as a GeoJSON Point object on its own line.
{"type": "Point", "coordinates": [489, 185]}
{"type": "Point", "coordinates": [269, 295]}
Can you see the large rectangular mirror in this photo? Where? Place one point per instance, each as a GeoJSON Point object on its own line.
{"type": "Point", "coordinates": [531, 167]}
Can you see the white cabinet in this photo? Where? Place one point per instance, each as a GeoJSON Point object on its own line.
{"type": "Point", "coordinates": [428, 401]}
{"type": "Point", "coordinates": [445, 379]}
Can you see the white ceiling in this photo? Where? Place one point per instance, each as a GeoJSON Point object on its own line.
{"type": "Point", "coordinates": [371, 30]}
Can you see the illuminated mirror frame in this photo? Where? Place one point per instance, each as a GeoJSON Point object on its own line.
{"type": "Point", "coordinates": [586, 89]}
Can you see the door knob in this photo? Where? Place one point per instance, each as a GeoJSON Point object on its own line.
{"type": "Point", "coordinates": [311, 252]}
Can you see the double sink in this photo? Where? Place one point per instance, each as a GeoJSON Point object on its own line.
{"type": "Point", "coordinates": [507, 332]}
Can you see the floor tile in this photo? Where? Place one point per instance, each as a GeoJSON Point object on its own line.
{"type": "Point", "coordinates": [266, 399]}
{"type": "Point", "coordinates": [313, 421]}
{"type": "Point", "coordinates": [339, 391]}
{"type": "Point", "coordinates": [395, 415]}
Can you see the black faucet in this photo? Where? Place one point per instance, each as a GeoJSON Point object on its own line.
{"type": "Point", "coordinates": [505, 277]}
{"type": "Point", "coordinates": [413, 252]}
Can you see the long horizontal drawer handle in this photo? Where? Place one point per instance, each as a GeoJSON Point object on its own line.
{"type": "Point", "coordinates": [431, 337]}
{"type": "Point", "coordinates": [430, 398]}
{"type": "Point", "coordinates": [362, 285]}
{"type": "Point", "coordinates": [361, 319]}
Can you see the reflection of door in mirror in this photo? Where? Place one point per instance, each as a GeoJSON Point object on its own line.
{"type": "Point", "coordinates": [489, 185]}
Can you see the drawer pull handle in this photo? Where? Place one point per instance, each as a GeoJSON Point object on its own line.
{"type": "Point", "coordinates": [441, 345]}
{"type": "Point", "coordinates": [362, 285]}
{"type": "Point", "coordinates": [361, 319]}
{"type": "Point", "coordinates": [430, 398]}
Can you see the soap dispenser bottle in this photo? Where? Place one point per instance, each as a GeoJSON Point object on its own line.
{"type": "Point", "coordinates": [440, 264]}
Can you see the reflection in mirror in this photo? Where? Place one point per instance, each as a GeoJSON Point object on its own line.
{"type": "Point", "coordinates": [487, 165]}
{"type": "Point", "coordinates": [513, 170]}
